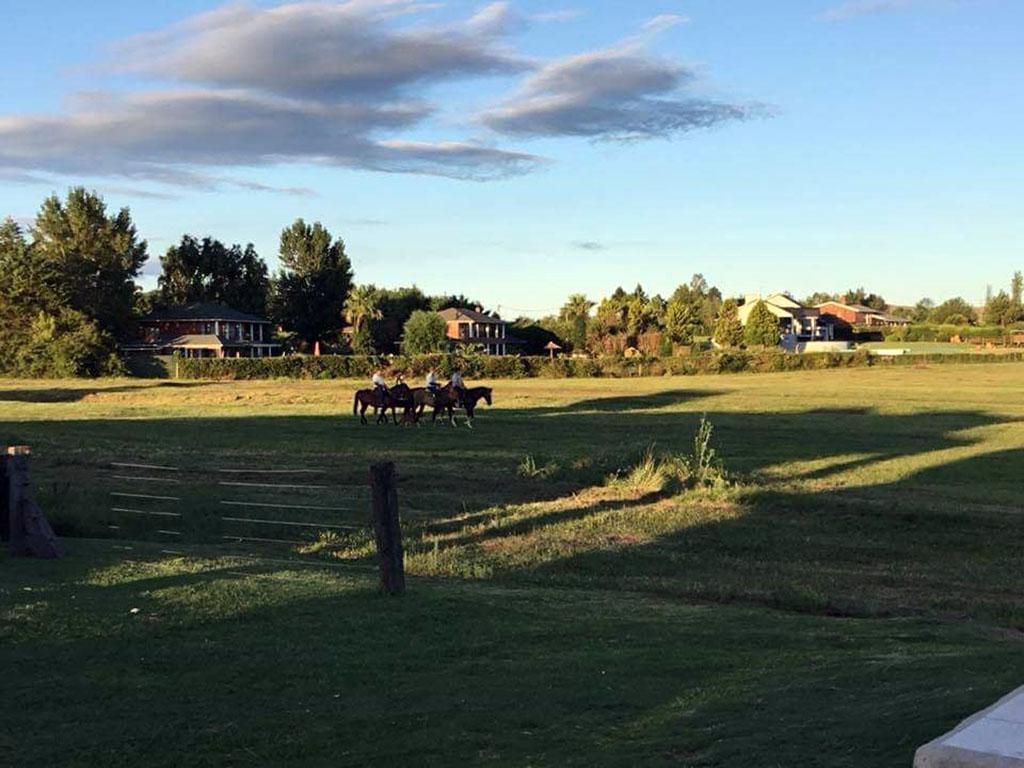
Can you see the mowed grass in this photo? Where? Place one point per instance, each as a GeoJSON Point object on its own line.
{"type": "Point", "coordinates": [854, 592]}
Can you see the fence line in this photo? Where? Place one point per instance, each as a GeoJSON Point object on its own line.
{"type": "Point", "coordinates": [289, 522]}
{"type": "Point", "coordinates": [129, 465]}
{"type": "Point", "coordinates": [272, 485]}
{"type": "Point", "coordinates": [153, 512]}
{"type": "Point", "coordinates": [271, 505]}
{"type": "Point", "coordinates": [144, 496]}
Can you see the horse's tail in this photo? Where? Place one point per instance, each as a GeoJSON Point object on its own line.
{"type": "Point", "coordinates": [355, 404]}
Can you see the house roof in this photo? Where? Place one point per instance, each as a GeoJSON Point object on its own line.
{"type": "Point", "coordinates": [202, 311]}
{"type": "Point", "coordinates": [469, 315]}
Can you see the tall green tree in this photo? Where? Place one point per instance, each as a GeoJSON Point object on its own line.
{"type": "Point", "coordinates": [1017, 289]}
{"type": "Point", "coordinates": [309, 293]}
{"type": "Point", "coordinates": [728, 328]}
{"type": "Point", "coordinates": [955, 311]}
{"type": "Point", "coordinates": [860, 296]}
{"type": "Point", "coordinates": [88, 259]}
{"type": "Point", "coordinates": [396, 306]}
{"type": "Point", "coordinates": [682, 320]}
{"type": "Point", "coordinates": [41, 336]}
{"type": "Point", "coordinates": [424, 332]}
{"type": "Point", "coordinates": [363, 307]}
{"type": "Point", "coordinates": [575, 313]}
{"type": "Point", "coordinates": [999, 310]}
{"type": "Point", "coordinates": [762, 329]}
{"type": "Point", "coordinates": [207, 270]}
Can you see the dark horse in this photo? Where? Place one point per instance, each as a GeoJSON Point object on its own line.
{"type": "Point", "coordinates": [442, 399]}
{"type": "Point", "coordinates": [473, 395]}
{"type": "Point", "coordinates": [396, 397]}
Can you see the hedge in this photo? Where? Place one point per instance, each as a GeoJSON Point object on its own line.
{"type": "Point", "coordinates": [508, 367]}
{"type": "Point", "coordinates": [933, 332]}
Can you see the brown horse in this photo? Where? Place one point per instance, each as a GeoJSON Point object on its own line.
{"type": "Point", "coordinates": [473, 395]}
{"type": "Point", "coordinates": [396, 397]}
{"type": "Point", "coordinates": [442, 399]}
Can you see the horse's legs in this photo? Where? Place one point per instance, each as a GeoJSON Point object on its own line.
{"type": "Point", "coordinates": [362, 413]}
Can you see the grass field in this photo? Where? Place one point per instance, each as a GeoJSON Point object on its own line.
{"type": "Point", "coordinates": [851, 593]}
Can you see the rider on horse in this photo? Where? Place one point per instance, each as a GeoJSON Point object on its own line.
{"type": "Point", "coordinates": [380, 386]}
{"type": "Point", "coordinates": [458, 384]}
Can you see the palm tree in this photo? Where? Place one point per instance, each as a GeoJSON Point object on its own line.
{"type": "Point", "coordinates": [363, 305]}
{"type": "Point", "coordinates": [578, 305]}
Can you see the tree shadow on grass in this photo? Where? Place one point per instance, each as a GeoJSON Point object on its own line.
{"type": "Point", "coordinates": [320, 670]}
{"type": "Point", "coordinates": [76, 394]}
{"type": "Point", "coordinates": [943, 541]}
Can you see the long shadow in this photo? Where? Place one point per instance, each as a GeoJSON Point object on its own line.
{"type": "Point", "coordinates": [629, 403]}
{"type": "Point", "coordinates": [322, 671]}
{"type": "Point", "coordinates": [943, 541]}
{"type": "Point", "coordinates": [76, 394]}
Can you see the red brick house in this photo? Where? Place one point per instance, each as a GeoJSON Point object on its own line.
{"type": "Point", "coordinates": [476, 328]}
{"type": "Point", "coordinates": [858, 314]}
{"type": "Point", "coordinates": [204, 330]}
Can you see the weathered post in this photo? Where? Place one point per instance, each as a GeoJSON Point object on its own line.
{"type": "Point", "coordinates": [386, 527]}
{"type": "Point", "coordinates": [30, 532]}
{"type": "Point", "coordinates": [5, 494]}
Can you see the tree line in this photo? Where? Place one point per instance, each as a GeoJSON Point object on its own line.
{"type": "Point", "coordinates": [69, 293]}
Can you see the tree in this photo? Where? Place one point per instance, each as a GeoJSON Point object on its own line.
{"type": "Point", "coordinates": [576, 314]}
{"type": "Point", "coordinates": [208, 271]}
{"type": "Point", "coordinates": [682, 321]}
{"type": "Point", "coordinates": [762, 329]}
{"type": "Point", "coordinates": [922, 310]}
{"type": "Point", "coordinates": [310, 291]}
{"type": "Point", "coordinates": [819, 297]}
{"type": "Point", "coordinates": [1000, 310]}
{"type": "Point", "coordinates": [1017, 289]}
{"type": "Point", "coordinates": [954, 311]}
{"type": "Point", "coordinates": [438, 303]}
{"type": "Point", "coordinates": [860, 296]}
{"type": "Point", "coordinates": [424, 332]}
{"type": "Point", "coordinates": [88, 260]}
{"type": "Point", "coordinates": [363, 306]}
{"type": "Point", "coordinates": [728, 328]}
{"type": "Point", "coordinates": [396, 306]}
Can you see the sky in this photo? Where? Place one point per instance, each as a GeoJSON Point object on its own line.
{"type": "Point", "coordinates": [519, 152]}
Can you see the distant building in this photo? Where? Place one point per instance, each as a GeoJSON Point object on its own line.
{"type": "Point", "coordinates": [473, 327]}
{"type": "Point", "coordinates": [204, 330]}
{"type": "Point", "coordinates": [859, 314]}
{"type": "Point", "coordinates": [795, 319]}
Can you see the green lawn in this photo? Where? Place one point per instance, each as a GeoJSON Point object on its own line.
{"type": "Point", "coordinates": [854, 592]}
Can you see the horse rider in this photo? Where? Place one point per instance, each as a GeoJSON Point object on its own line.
{"type": "Point", "coordinates": [380, 386]}
{"type": "Point", "coordinates": [458, 384]}
{"type": "Point", "coordinates": [432, 385]}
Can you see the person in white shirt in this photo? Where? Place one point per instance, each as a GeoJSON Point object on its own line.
{"type": "Point", "coordinates": [457, 383]}
{"type": "Point", "coordinates": [380, 386]}
{"type": "Point", "coordinates": [432, 380]}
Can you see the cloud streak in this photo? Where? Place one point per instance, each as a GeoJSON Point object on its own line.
{"type": "Point", "coordinates": [618, 93]}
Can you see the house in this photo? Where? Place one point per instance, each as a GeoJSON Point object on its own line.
{"type": "Point", "coordinates": [203, 330]}
{"type": "Point", "coordinates": [474, 327]}
{"type": "Point", "coordinates": [803, 323]}
{"type": "Point", "coordinates": [861, 315]}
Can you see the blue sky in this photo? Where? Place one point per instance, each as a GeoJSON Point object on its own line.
{"type": "Point", "coordinates": [520, 152]}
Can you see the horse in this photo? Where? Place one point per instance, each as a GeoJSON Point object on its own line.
{"type": "Point", "coordinates": [440, 400]}
{"type": "Point", "coordinates": [471, 396]}
{"type": "Point", "coordinates": [396, 397]}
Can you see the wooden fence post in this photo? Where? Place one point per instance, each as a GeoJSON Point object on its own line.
{"type": "Point", "coordinates": [5, 498]}
{"type": "Point", "coordinates": [30, 532]}
{"type": "Point", "coordinates": [386, 527]}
